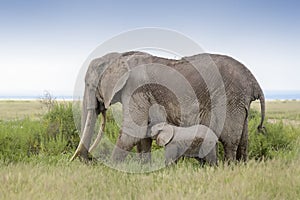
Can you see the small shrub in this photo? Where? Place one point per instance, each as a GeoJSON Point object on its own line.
{"type": "Point", "coordinates": [54, 134]}
{"type": "Point", "coordinates": [278, 137]}
{"type": "Point", "coordinates": [48, 100]}
{"type": "Point", "coordinates": [60, 127]}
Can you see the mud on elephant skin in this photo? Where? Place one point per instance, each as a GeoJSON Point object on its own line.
{"type": "Point", "coordinates": [139, 80]}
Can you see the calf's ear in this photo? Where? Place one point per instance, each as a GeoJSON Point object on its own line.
{"type": "Point", "coordinates": [156, 129]}
{"type": "Point", "coordinates": [165, 135]}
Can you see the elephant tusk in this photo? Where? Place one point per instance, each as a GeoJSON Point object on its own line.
{"type": "Point", "coordinates": [100, 133]}
{"type": "Point", "coordinates": [84, 136]}
{"type": "Point", "coordinates": [78, 150]}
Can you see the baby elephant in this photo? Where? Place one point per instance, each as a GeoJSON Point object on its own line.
{"type": "Point", "coordinates": [196, 141]}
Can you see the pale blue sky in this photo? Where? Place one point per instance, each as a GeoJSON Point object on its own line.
{"type": "Point", "coordinates": [44, 43]}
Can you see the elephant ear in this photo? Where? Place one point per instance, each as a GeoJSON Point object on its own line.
{"type": "Point", "coordinates": [156, 129]}
{"type": "Point", "coordinates": [113, 79]}
{"type": "Point", "coordinates": [165, 135]}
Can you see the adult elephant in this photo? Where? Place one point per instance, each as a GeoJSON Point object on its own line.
{"type": "Point", "coordinates": [219, 99]}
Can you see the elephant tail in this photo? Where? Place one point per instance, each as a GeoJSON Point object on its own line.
{"type": "Point", "coordinates": [261, 98]}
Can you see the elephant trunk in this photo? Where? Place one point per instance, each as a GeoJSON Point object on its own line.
{"type": "Point", "coordinates": [99, 136]}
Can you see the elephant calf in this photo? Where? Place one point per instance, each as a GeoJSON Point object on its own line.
{"type": "Point", "coordinates": [196, 141]}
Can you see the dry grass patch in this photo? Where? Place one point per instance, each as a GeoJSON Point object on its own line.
{"type": "Point", "coordinates": [280, 109]}
{"type": "Point", "coordinates": [19, 109]}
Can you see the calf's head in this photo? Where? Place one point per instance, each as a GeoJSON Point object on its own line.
{"type": "Point", "coordinates": [163, 133]}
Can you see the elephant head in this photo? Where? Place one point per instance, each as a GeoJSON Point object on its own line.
{"type": "Point", "coordinates": [104, 78]}
{"type": "Point", "coordinates": [104, 81]}
{"type": "Point", "coordinates": [163, 133]}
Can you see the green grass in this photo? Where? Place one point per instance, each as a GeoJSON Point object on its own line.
{"type": "Point", "coordinates": [34, 162]}
{"type": "Point", "coordinates": [279, 138]}
{"type": "Point", "coordinates": [54, 133]}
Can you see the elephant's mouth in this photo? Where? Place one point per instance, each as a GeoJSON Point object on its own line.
{"type": "Point", "coordinates": [100, 107]}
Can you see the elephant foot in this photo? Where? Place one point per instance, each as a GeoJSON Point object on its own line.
{"type": "Point", "coordinates": [170, 162]}
{"type": "Point", "coordinates": [144, 150]}
{"type": "Point", "coordinates": [119, 155]}
{"type": "Point", "coordinates": [87, 159]}
{"type": "Point", "coordinates": [145, 158]}
{"type": "Point", "coordinates": [83, 154]}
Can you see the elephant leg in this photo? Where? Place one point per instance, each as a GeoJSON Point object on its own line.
{"type": "Point", "coordinates": [124, 145]}
{"type": "Point", "coordinates": [134, 126]}
{"type": "Point", "coordinates": [242, 151]}
{"type": "Point", "coordinates": [144, 150]}
{"type": "Point", "coordinates": [201, 161]}
{"type": "Point", "coordinates": [230, 144]}
{"type": "Point", "coordinates": [230, 152]}
{"type": "Point", "coordinates": [211, 157]}
{"type": "Point", "coordinates": [232, 133]}
{"type": "Point", "coordinates": [171, 155]}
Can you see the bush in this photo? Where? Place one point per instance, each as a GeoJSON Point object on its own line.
{"type": "Point", "coordinates": [278, 138]}
{"type": "Point", "coordinates": [112, 129]}
{"type": "Point", "coordinates": [20, 139]}
{"type": "Point", "coordinates": [54, 134]}
{"type": "Point", "coordinates": [60, 128]}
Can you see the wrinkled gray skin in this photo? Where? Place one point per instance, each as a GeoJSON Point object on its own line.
{"type": "Point", "coordinates": [185, 141]}
{"type": "Point", "coordinates": [112, 79]}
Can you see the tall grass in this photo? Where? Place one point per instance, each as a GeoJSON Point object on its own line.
{"type": "Point", "coordinates": [20, 139]}
{"type": "Point", "coordinates": [34, 160]}
{"type": "Point", "coordinates": [55, 134]}
{"type": "Point", "coordinates": [256, 180]}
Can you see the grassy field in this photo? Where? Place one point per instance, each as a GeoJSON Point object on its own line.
{"type": "Point", "coordinates": [10, 109]}
{"type": "Point", "coordinates": [35, 149]}
{"type": "Point", "coordinates": [280, 109]}
{"type": "Point", "coordinates": [275, 179]}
